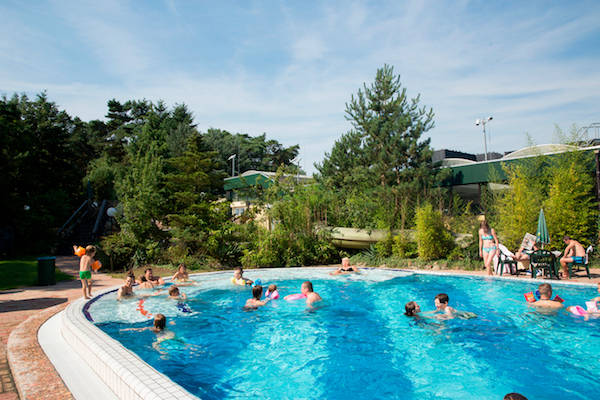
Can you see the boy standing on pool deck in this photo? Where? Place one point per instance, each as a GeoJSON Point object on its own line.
{"type": "Point", "coordinates": [85, 271]}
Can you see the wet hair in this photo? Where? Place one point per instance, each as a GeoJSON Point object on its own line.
{"type": "Point", "coordinates": [173, 290]}
{"type": "Point", "coordinates": [90, 249]}
{"type": "Point", "coordinates": [485, 226]}
{"type": "Point", "coordinates": [410, 308]}
{"type": "Point", "coordinates": [143, 279]}
{"type": "Point", "coordinates": [239, 269]}
{"type": "Point", "coordinates": [566, 238]}
{"type": "Point", "coordinates": [160, 321]}
{"type": "Point", "coordinates": [180, 266]}
{"type": "Point", "coordinates": [309, 286]}
{"type": "Point", "coordinates": [257, 292]}
{"type": "Point", "coordinates": [443, 298]}
{"type": "Point", "coordinates": [545, 289]}
{"type": "Point", "coordinates": [147, 269]}
{"type": "Point", "coordinates": [273, 287]}
{"type": "Point", "coordinates": [514, 396]}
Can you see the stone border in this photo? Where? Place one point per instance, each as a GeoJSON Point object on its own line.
{"type": "Point", "coordinates": [129, 377]}
{"type": "Point", "coordinates": [126, 374]}
{"type": "Point", "coordinates": [34, 375]}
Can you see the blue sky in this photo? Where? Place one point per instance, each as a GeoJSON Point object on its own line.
{"type": "Point", "coordinates": [288, 68]}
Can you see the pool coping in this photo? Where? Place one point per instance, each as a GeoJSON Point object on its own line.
{"type": "Point", "coordinates": [129, 377]}
{"type": "Point", "coordinates": [123, 371]}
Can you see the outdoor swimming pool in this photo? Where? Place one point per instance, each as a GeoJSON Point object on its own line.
{"type": "Point", "coordinates": [358, 343]}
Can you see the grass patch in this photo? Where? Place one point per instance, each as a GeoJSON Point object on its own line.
{"type": "Point", "coordinates": [23, 272]}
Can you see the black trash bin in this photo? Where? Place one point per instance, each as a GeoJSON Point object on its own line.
{"type": "Point", "coordinates": [45, 271]}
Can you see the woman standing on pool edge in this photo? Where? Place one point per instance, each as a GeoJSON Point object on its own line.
{"type": "Point", "coordinates": [488, 245]}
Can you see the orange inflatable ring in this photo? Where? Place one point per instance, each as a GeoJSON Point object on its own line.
{"type": "Point", "coordinates": [96, 265]}
{"type": "Point", "coordinates": [80, 251]}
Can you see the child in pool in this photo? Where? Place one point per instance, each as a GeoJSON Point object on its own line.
{"type": "Point", "coordinates": [238, 278]}
{"type": "Point", "coordinates": [181, 275]}
{"type": "Point", "coordinates": [441, 306]}
{"type": "Point", "coordinates": [272, 292]}
{"type": "Point", "coordinates": [255, 301]}
{"type": "Point", "coordinates": [175, 294]}
{"type": "Point", "coordinates": [545, 301]}
{"type": "Point", "coordinates": [127, 289]}
{"type": "Point", "coordinates": [412, 309]}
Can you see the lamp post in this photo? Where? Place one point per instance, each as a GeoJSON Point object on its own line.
{"type": "Point", "coordinates": [232, 158]}
{"type": "Point", "coordinates": [483, 122]}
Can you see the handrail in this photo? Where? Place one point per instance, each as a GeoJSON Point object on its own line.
{"type": "Point", "coordinates": [99, 217]}
{"type": "Point", "coordinates": [73, 216]}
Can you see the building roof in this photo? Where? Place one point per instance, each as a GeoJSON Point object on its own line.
{"type": "Point", "coordinates": [253, 178]}
{"type": "Point", "coordinates": [466, 173]}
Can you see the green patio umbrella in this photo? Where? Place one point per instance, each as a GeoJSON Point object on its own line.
{"type": "Point", "coordinates": [542, 229]}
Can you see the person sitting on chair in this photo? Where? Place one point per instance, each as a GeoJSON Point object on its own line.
{"type": "Point", "coordinates": [523, 255]}
{"type": "Point", "coordinates": [574, 253]}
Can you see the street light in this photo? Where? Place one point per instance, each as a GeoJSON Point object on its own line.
{"type": "Point", "coordinates": [483, 122]}
{"type": "Point", "coordinates": [232, 158]}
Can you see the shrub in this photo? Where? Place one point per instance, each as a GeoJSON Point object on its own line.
{"type": "Point", "coordinates": [434, 241]}
{"type": "Point", "coordinates": [403, 247]}
{"type": "Point", "coordinates": [384, 247]}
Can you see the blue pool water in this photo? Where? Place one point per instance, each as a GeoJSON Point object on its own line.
{"type": "Point", "coordinates": [358, 343]}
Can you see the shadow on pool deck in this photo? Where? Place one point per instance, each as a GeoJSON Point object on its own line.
{"type": "Point", "coordinates": [30, 304]}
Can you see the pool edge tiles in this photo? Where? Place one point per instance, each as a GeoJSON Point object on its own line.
{"type": "Point", "coordinates": [127, 375]}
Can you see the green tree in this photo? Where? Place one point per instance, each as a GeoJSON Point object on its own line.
{"type": "Point", "coordinates": [197, 220]}
{"type": "Point", "coordinates": [255, 153]}
{"type": "Point", "coordinates": [384, 154]}
{"type": "Point", "coordinates": [518, 207]}
{"type": "Point", "coordinates": [42, 154]}
{"type": "Point", "coordinates": [570, 207]}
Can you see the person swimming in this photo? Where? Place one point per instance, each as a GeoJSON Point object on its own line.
{"type": "Point", "coordinates": [175, 294]}
{"type": "Point", "coordinates": [412, 309]}
{"type": "Point", "coordinates": [181, 275]}
{"type": "Point", "coordinates": [345, 268]}
{"type": "Point", "coordinates": [255, 301]}
{"type": "Point", "coordinates": [238, 278]}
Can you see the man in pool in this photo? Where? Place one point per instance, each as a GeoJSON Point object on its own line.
{"type": "Point", "coordinates": [574, 252]}
{"type": "Point", "coordinates": [545, 301]}
{"type": "Point", "coordinates": [311, 295]}
{"type": "Point", "coordinates": [154, 280]}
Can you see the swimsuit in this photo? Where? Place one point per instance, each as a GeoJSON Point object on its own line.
{"type": "Point", "coordinates": [85, 274]}
{"type": "Point", "coordinates": [491, 248]}
{"type": "Point", "coordinates": [346, 270]}
{"type": "Point", "coordinates": [578, 259]}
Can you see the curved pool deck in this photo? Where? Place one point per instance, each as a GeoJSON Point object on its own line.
{"type": "Point", "coordinates": [127, 375]}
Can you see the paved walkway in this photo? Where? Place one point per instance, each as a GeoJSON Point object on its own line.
{"type": "Point", "coordinates": [17, 305]}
